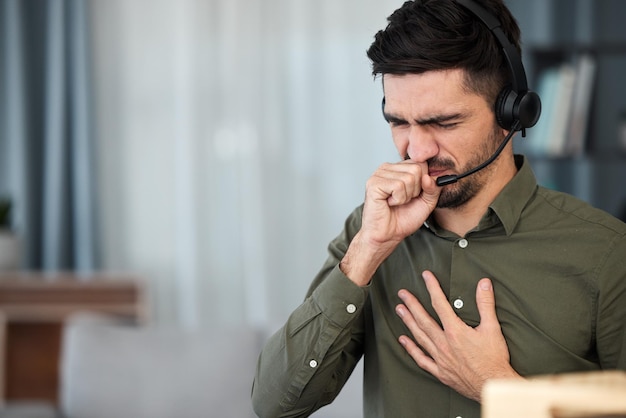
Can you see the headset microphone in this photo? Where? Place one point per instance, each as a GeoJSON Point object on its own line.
{"type": "Point", "coordinates": [453, 178]}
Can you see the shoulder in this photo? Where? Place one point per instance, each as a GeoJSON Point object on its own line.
{"type": "Point", "coordinates": [563, 207]}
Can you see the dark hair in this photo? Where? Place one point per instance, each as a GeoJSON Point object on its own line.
{"type": "Point", "coordinates": [430, 35]}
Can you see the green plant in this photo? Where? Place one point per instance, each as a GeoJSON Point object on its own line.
{"type": "Point", "coordinates": [5, 213]}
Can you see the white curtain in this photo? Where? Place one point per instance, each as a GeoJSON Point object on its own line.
{"type": "Point", "coordinates": [235, 136]}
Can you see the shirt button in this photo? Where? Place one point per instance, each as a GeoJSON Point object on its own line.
{"type": "Point", "coordinates": [458, 303]}
{"type": "Point", "coordinates": [313, 364]}
{"type": "Point", "coordinates": [351, 308]}
{"type": "Point", "coordinates": [463, 243]}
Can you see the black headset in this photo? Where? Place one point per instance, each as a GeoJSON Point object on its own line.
{"type": "Point", "coordinates": [515, 103]}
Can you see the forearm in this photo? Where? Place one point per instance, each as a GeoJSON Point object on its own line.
{"type": "Point", "coordinates": [304, 365]}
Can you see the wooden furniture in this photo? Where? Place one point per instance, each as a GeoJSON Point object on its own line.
{"type": "Point", "coordinates": [33, 307]}
{"type": "Point", "coordinates": [576, 395]}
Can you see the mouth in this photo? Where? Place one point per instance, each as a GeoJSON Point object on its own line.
{"type": "Point", "coordinates": [438, 171]}
{"type": "Point", "coordinates": [438, 167]}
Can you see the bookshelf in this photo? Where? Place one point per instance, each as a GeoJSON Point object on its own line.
{"type": "Point", "coordinates": [558, 33]}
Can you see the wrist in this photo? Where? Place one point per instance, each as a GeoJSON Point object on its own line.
{"type": "Point", "coordinates": [363, 258]}
{"type": "Point", "coordinates": [507, 374]}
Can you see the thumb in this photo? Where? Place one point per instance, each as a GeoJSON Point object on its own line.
{"type": "Point", "coordinates": [486, 303]}
{"type": "Point", "coordinates": [430, 191]}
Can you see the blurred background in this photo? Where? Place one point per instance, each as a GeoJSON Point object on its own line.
{"type": "Point", "coordinates": [213, 148]}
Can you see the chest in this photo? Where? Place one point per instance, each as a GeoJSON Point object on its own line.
{"type": "Point", "coordinates": [545, 297]}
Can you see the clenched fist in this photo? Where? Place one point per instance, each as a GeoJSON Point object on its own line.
{"type": "Point", "coordinates": [399, 197]}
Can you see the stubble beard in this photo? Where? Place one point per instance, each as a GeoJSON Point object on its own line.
{"type": "Point", "coordinates": [458, 194]}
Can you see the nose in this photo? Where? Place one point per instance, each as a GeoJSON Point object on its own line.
{"type": "Point", "coordinates": [422, 145]}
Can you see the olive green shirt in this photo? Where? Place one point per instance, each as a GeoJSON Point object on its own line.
{"type": "Point", "coordinates": [558, 268]}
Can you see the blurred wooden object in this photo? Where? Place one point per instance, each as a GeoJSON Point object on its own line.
{"type": "Point", "coordinates": [3, 339]}
{"type": "Point", "coordinates": [34, 306]}
{"type": "Point", "coordinates": [576, 395]}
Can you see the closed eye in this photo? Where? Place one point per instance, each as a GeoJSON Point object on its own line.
{"type": "Point", "coordinates": [398, 124]}
{"type": "Point", "coordinates": [441, 122]}
{"type": "Point", "coordinates": [395, 122]}
{"type": "Point", "coordinates": [447, 125]}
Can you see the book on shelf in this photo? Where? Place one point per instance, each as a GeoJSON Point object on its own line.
{"type": "Point", "coordinates": [538, 136]}
{"type": "Point", "coordinates": [566, 93]}
{"type": "Point", "coordinates": [581, 105]}
{"type": "Point", "coordinates": [562, 106]}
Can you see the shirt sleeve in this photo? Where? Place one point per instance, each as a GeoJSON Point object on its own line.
{"type": "Point", "coordinates": [611, 319]}
{"type": "Point", "coordinates": [304, 365]}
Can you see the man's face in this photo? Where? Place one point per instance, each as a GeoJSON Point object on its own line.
{"type": "Point", "coordinates": [435, 119]}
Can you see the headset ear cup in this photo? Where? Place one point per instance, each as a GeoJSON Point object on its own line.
{"type": "Point", "coordinates": [504, 108]}
{"type": "Point", "coordinates": [529, 109]}
{"type": "Point", "coordinates": [511, 107]}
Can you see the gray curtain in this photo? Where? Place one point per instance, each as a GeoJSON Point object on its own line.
{"type": "Point", "coordinates": [46, 139]}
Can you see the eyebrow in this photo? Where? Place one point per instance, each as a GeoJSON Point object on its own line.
{"type": "Point", "coordinates": [433, 120]}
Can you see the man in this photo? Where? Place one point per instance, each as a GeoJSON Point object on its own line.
{"type": "Point", "coordinates": [442, 287]}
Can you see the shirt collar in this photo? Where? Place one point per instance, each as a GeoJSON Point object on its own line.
{"type": "Point", "coordinates": [512, 200]}
{"type": "Point", "coordinates": [508, 205]}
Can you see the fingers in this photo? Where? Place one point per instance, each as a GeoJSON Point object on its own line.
{"type": "Point", "coordinates": [430, 191]}
{"type": "Point", "coordinates": [426, 331]}
{"type": "Point", "coordinates": [398, 183]}
{"type": "Point", "coordinates": [486, 303]}
{"type": "Point", "coordinates": [419, 356]}
{"type": "Point", "coordinates": [423, 327]}
{"type": "Point", "coordinates": [439, 301]}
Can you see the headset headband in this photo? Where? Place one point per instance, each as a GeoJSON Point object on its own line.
{"type": "Point", "coordinates": [519, 84]}
{"type": "Point", "coordinates": [514, 103]}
